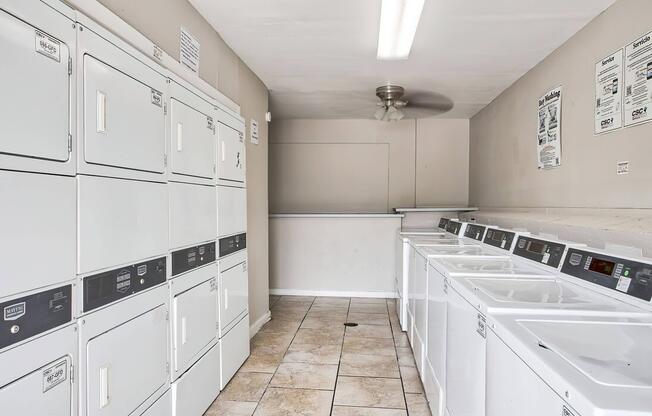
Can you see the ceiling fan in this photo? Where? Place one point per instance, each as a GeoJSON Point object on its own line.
{"type": "Point", "coordinates": [394, 106]}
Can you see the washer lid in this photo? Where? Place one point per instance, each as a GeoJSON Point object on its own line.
{"type": "Point", "coordinates": [470, 266]}
{"type": "Point", "coordinates": [421, 232]}
{"type": "Point", "coordinates": [466, 250]}
{"type": "Point", "coordinates": [615, 354]}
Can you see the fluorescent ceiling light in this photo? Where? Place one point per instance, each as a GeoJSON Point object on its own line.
{"type": "Point", "coordinates": [398, 24]}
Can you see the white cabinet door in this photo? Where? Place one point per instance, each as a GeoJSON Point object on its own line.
{"type": "Point", "coordinates": [231, 210]}
{"type": "Point", "coordinates": [234, 293]}
{"type": "Point", "coordinates": [35, 83]}
{"type": "Point", "coordinates": [124, 122]}
{"type": "Point", "coordinates": [465, 358]}
{"type": "Point", "coordinates": [193, 214]}
{"type": "Point", "coordinates": [231, 153]}
{"type": "Point", "coordinates": [193, 314]}
{"type": "Point", "coordinates": [192, 145]}
{"type": "Point", "coordinates": [127, 364]}
{"type": "Point", "coordinates": [45, 391]}
{"type": "Point", "coordinates": [436, 345]}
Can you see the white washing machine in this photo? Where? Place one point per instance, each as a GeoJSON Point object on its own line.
{"type": "Point", "coordinates": [234, 305]}
{"type": "Point", "coordinates": [191, 132]}
{"type": "Point", "coordinates": [123, 339]}
{"type": "Point", "coordinates": [121, 106]}
{"type": "Point", "coordinates": [38, 353]}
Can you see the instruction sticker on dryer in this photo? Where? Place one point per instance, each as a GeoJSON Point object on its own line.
{"type": "Point", "coordinates": [608, 93]}
{"type": "Point", "coordinates": [638, 81]}
{"type": "Point", "coordinates": [54, 375]}
{"type": "Point", "coordinates": [549, 130]}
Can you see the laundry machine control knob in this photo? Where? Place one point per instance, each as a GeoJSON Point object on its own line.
{"type": "Point", "coordinates": [14, 329]}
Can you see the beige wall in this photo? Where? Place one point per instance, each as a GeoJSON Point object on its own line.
{"type": "Point", "coordinates": [503, 135]}
{"type": "Point", "coordinates": [366, 165]}
{"type": "Point", "coordinates": [161, 22]}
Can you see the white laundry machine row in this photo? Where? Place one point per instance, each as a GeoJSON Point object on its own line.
{"type": "Point", "coordinates": [592, 363]}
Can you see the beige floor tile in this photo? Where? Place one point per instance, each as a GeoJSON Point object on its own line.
{"type": "Point", "coordinates": [313, 353]}
{"type": "Point", "coordinates": [331, 301]}
{"type": "Point", "coordinates": [262, 363]}
{"type": "Point", "coordinates": [270, 343]}
{"type": "Point", "coordinates": [373, 346]}
{"type": "Point", "coordinates": [302, 299]}
{"type": "Point", "coordinates": [291, 307]}
{"type": "Point", "coordinates": [369, 365]}
{"type": "Point", "coordinates": [368, 308]}
{"type": "Point", "coordinates": [280, 325]}
{"type": "Point", "coordinates": [327, 313]}
{"type": "Point", "coordinates": [307, 376]}
{"type": "Point", "coordinates": [411, 381]}
{"type": "Point", "coordinates": [285, 315]}
{"type": "Point", "coordinates": [295, 402]}
{"type": "Point", "coordinates": [417, 405]}
{"type": "Point", "coordinates": [225, 407]}
{"type": "Point", "coordinates": [366, 411]}
{"type": "Point", "coordinates": [369, 331]}
{"type": "Point", "coordinates": [405, 356]}
{"type": "Point", "coordinates": [369, 392]}
{"type": "Point", "coordinates": [319, 336]}
{"type": "Point", "coordinates": [402, 340]}
{"type": "Point", "coordinates": [246, 387]}
{"type": "Point", "coordinates": [377, 301]}
{"type": "Point", "coordinates": [323, 322]}
{"type": "Point", "coordinates": [368, 318]}
{"type": "Point", "coordinates": [273, 299]}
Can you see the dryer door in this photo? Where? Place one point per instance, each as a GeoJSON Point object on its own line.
{"type": "Point", "coordinates": [192, 150]}
{"type": "Point", "coordinates": [45, 391]}
{"type": "Point", "coordinates": [232, 210]}
{"type": "Point", "coordinates": [35, 85]}
{"type": "Point", "coordinates": [231, 153]}
{"type": "Point", "coordinates": [194, 312]}
{"type": "Point", "coordinates": [233, 291]}
{"type": "Point", "coordinates": [127, 364]}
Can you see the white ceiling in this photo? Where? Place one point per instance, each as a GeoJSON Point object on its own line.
{"type": "Point", "coordinates": [318, 57]}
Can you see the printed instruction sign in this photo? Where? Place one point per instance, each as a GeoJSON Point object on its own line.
{"type": "Point", "coordinates": [549, 130]}
{"type": "Point", "coordinates": [189, 52]}
{"type": "Point", "coordinates": [638, 81]}
{"type": "Point", "coordinates": [608, 93]}
{"type": "Point", "coordinates": [253, 130]}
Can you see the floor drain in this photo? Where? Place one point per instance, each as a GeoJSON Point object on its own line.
{"type": "Point", "coordinates": [350, 324]}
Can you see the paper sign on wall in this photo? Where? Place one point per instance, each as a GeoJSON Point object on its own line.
{"type": "Point", "coordinates": [608, 93]}
{"type": "Point", "coordinates": [189, 51]}
{"type": "Point", "coordinates": [549, 130]}
{"type": "Point", "coordinates": [253, 129]}
{"type": "Point", "coordinates": [638, 81]}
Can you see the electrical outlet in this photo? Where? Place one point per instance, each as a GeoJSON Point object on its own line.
{"type": "Point", "coordinates": [622, 168]}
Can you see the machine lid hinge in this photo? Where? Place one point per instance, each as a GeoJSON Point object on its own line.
{"type": "Point", "coordinates": [69, 66]}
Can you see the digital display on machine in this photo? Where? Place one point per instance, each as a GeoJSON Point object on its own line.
{"type": "Point", "coordinates": [498, 236]}
{"type": "Point", "coordinates": [536, 247]}
{"type": "Point", "coordinates": [602, 266]}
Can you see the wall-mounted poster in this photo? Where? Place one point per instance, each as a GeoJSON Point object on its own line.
{"type": "Point", "coordinates": [608, 93]}
{"type": "Point", "coordinates": [549, 130]}
{"type": "Point", "coordinates": [638, 81]}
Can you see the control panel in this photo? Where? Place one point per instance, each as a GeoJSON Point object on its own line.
{"type": "Point", "coordinates": [545, 252]}
{"type": "Point", "coordinates": [106, 287]}
{"type": "Point", "coordinates": [475, 231]}
{"type": "Point", "coordinates": [500, 238]}
{"type": "Point", "coordinates": [454, 227]}
{"type": "Point", "coordinates": [192, 257]}
{"type": "Point", "coordinates": [31, 315]}
{"type": "Point", "coordinates": [443, 222]}
{"type": "Point", "coordinates": [626, 276]}
{"type": "Point", "coordinates": [229, 245]}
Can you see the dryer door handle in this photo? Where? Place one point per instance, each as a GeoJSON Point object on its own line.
{"type": "Point", "coordinates": [104, 387]}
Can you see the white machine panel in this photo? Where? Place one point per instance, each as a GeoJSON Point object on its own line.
{"type": "Point", "coordinates": [194, 392]}
{"type": "Point", "coordinates": [234, 289]}
{"type": "Point", "coordinates": [232, 210]}
{"type": "Point", "coordinates": [420, 309]}
{"type": "Point", "coordinates": [231, 153]}
{"type": "Point", "coordinates": [194, 317]}
{"type": "Point", "coordinates": [192, 136]}
{"type": "Point", "coordinates": [235, 350]}
{"type": "Point", "coordinates": [120, 221]}
{"type": "Point", "coordinates": [162, 407]}
{"type": "Point", "coordinates": [36, 211]}
{"type": "Point", "coordinates": [37, 46]}
{"type": "Point", "coordinates": [118, 383]}
{"type": "Point", "coordinates": [37, 377]}
{"type": "Point", "coordinates": [121, 102]}
{"type": "Point", "coordinates": [436, 342]}
{"type": "Point", "coordinates": [193, 214]}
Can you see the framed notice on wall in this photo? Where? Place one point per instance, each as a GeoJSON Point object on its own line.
{"type": "Point", "coordinates": [549, 130]}
{"type": "Point", "coordinates": [638, 81]}
{"type": "Point", "coordinates": [609, 93]}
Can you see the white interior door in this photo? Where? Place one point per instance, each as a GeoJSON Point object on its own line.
{"type": "Point", "coordinates": [232, 210]}
{"type": "Point", "coordinates": [192, 144]}
{"type": "Point", "coordinates": [127, 364]}
{"type": "Point", "coordinates": [194, 312]}
{"type": "Point", "coordinates": [35, 84]}
{"type": "Point", "coordinates": [234, 292]}
{"type": "Point", "coordinates": [231, 153]}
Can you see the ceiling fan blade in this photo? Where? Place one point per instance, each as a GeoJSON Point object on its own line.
{"type": "Point", "coordinates": [429, 101]}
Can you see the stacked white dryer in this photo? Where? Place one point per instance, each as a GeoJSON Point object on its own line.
{"type": "Point", "coordinates": [38, 339]}
{"type": "Point", "coordinates": [122, 227]}
{"type": "Point", "coordinates": [233, 278]}
{"type": "Point", "coordinates": [194, 310]}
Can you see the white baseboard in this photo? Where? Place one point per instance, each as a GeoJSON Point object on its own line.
{"type": "Point", "coordinates": [255, 327]}
{"type": "Point", "coordinates": [332, 293]}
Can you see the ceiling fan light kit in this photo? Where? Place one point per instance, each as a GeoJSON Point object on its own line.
{"type": "Point", "coordinates": [399, 20]}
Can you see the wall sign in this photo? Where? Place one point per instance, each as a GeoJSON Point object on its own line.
{"type": "Point", "coordinates": [189, 51]}
{"type": "Point", "coordinates": [549, 130]}
{"type": "Point", "coordinates": [253, 130]}
{"type": "Point", "coordinates": [638, 81]}
{"type": "Point", "coordinates": [608, 93]}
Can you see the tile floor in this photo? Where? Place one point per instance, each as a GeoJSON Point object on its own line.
{"type": "Point", "coordinates": [306, 362]}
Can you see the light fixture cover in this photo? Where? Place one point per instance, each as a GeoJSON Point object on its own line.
{"type": "Point", "coordinates": [399, 20]}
